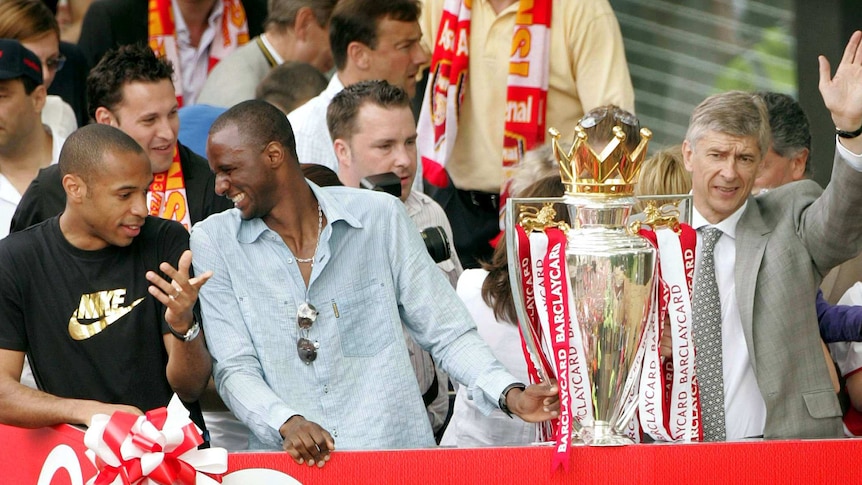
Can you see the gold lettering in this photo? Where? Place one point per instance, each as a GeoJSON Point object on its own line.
{"type": "Point", "coordinates": [525, 12]}
{"type": "Point", "coordinates": [521, 42]}
{"type": "Point", "coordinates": [175, 207]}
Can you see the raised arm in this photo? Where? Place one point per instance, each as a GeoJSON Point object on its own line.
{"type": "Point", "coordinates": [842, 93]}
{"type": "Point", "coordinates": [189, 363]}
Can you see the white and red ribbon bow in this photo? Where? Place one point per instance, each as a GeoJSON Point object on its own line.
{"type": "Point", "coordinates": [159, 448]}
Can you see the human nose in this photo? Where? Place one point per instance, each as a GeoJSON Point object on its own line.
{"type": "Point", "coordinates": [728, 168]}
{"type": "Point", "coordinates": [139, 205]}
{"type": "Point", "coordinates": [402, 158]}
{"type": "Point", "coordinates": [419, 56]}
{"type": "Point", "coordinates": [165, 129]}
{"type": "Point", "coordinates": [221, 184]}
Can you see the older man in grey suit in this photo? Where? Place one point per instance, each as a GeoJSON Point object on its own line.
{"type": "Point", "coordinates": [759, 361]}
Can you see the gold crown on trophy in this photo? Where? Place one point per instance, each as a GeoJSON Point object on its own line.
{"type": "Point", "coordinates": [612, 172]}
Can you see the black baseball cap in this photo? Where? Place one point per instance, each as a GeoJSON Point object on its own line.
{"type": "Point", "coordinates": [18, 61]}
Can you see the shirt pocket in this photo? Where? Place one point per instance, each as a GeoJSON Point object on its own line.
{"type": "Point", "coordinates": [365, 319]}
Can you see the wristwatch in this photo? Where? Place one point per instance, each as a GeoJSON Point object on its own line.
{"type": "Point", "coordinates": [502, 401]}
{"type": "Point", "coordinates": [191, 334]}
{"type": "Point", "coordinates": [848, 134]}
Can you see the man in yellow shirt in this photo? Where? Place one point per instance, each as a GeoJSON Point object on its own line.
{"type": "Point", "coordinates": [587, 68]}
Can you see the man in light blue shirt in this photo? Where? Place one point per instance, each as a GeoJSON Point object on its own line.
{"type": "Point", "coordinates": [304, 312]}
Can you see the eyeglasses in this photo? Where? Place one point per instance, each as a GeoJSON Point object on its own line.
{"type": "Point", "coordinates": [599, 114]}
{"type": "Point", "coordinates": [306, 315]}
{"type": "Point", "coordinates": [56, 63]}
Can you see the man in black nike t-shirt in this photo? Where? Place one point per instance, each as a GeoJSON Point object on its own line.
{"type": "Point", "coordinates": [100, 298]}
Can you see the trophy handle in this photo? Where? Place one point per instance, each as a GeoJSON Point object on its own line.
{"type": "Point", "coordinates": [513, 208]}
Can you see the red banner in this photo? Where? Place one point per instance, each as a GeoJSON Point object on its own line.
{"type": "Point", "coordinates": [55, 456]}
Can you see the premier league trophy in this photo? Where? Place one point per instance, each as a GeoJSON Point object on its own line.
{"type": "Point", "coordinates": [585, 330]}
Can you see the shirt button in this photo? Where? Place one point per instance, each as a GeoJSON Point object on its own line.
{"type": "Point", "coordinates": [326, 389]}
{"type": "Point", "coordinates": [335, 433]}
{"type": "Point", "coordinates": [289, 260]}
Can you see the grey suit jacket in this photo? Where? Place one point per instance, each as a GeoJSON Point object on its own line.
{"type": "Point", "coordinates": [235, 78]}
{"type": "Point", "coordinates": [787, 240]}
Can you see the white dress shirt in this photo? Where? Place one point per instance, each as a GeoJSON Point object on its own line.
{"type": "Point", "coordinates": [194, 61]}
{"type": "Point", "coordinates": [313, 143]}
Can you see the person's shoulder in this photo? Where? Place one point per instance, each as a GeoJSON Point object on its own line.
{"type": "Point", "coordinates": [787, 195]}
{"type": "Point", "coordinates": [427, 202]}
{"type": "Point", "coordinates": [472, 277]}
{"type": "Point", "coordinates": [350, 196]}
{"type": "Point", "coordinates": [305, 112]}
{"type": "Point", "coordinates": [49, 175]}
{"type": "Point", "coordinates": [25, 240]}
{"type": "Point", "coordinates": [367, 206]}
{"type": "Point", "coordinates": [236, 64]}
{"type": "Point", "coordinates": [220, 222]}
{"type": "Point", "coordinates": [156, 227]}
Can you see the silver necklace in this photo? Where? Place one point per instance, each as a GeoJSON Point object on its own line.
{"type": "Point", "coordinates": [319, 232]}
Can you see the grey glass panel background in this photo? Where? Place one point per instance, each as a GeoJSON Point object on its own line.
{"type": "Point", "coordinates": [681, 51]}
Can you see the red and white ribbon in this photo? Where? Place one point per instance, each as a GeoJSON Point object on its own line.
{"type": "Point", "coordinates": [669, 406]}
{"type": "Point", "coordinates": [557, 303]}
{"type": "Point", "coordinates": [159, 448]}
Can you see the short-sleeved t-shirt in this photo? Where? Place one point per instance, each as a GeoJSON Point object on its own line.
{"type": "Point", "coordinates": [85, 318]}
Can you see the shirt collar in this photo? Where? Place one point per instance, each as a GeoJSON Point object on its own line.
{"type": "Point", "coordinates": [274, 53]}
{"type": "Point", "coordinates": [413, 204]}
{"type": "Point", "coordinates": [334, 87]}
{"type": "Point", "coordinates": [250, 230]}
{"type": "Point", "coordinates": [727, 226]}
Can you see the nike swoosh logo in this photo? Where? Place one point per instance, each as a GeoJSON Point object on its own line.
{"type": "Point", "coordinates": [83, 331]}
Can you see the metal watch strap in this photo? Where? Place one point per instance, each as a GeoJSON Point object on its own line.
{"type": "Point", "coordinates": [502, 401]}
{"type": "Point", "coordinates": [848, 134]}
{"type": "Point", "coordinates": [191, 334]}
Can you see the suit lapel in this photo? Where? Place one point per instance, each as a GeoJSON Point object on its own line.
{"type": "Point", "coordinates": [751, 237]}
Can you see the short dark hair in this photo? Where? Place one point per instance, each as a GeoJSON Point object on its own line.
{"type": "Point", "coordinates": [289, 84]}
{"type": "Point", "coordinates": [29, 85]}
{"type": "Point", "coordinates": [120, 66]}
{"type": "Point", "coordinates": [344, 107]}
{"type": "Point", "coordinates": [282, 13]}
{"type": "Point", "coordinates": [84, 151]}
{"type": "Point", "coordinates": [789, 125]}
{"type": "Point", "coordinates": [259, 123]}
{"type": "Point", "coordinates": [357, 20]}
{"type": "Point", "coordinates": [320, 174]}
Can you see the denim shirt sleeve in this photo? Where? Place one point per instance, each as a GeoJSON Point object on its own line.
{"type": "Point", "coordinates": [438, 319]}
{"type": "Point", "coordinates": [236, 368]}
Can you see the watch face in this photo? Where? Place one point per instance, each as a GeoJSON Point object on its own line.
{"type": "Point", "coordinates": [193, 332]}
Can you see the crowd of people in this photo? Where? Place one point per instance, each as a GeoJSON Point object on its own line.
{"type": "Point", "coordinates": [187, 213]}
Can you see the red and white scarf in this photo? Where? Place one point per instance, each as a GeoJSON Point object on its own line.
{"type": "Point", "coordinates": [526, 96]}
{"type": "Point", "coordinates": [162, 35]}
{"type": "Point", "coordinates": [167, 196]}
